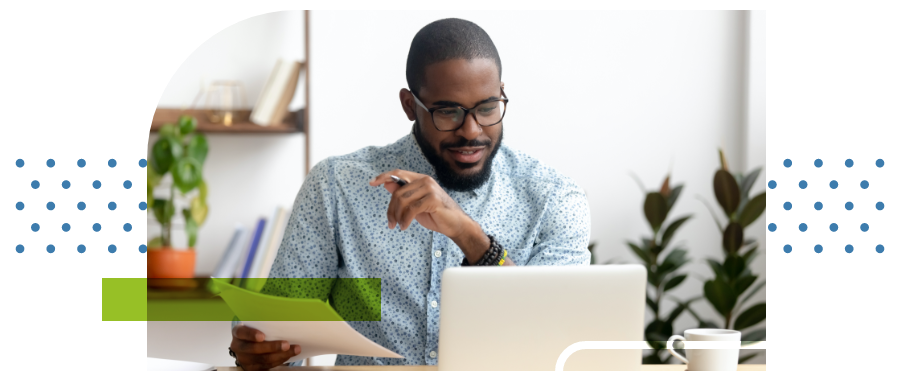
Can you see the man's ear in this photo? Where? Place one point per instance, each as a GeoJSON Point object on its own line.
{"type": "Point", "coordinates": [408, 104]}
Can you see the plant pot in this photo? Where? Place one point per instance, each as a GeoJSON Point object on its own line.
{"type": "Point", "coordinates": [168, 262]}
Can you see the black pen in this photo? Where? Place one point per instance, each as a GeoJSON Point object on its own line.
{"type": "Point", "coordinates": [398, 180]}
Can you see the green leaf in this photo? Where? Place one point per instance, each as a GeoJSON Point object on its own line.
{"type": "Point", "coordinates": [187, 174]}
{"type": "Point", "coordinates": [653, 277]}
{"type": "Point", "coordinates": [149, 197]}
{"type": "Point", "coordinates": [733, 266]}
{"type": "Point", "coordinates": [676, 256]}
{"type": "Point", "coordinates": [750, 255]}
{"type": "Point", "coordinates": [164, 153]}
{"type": "Point", "coordinates": [673, 261]}
{"type": "Point", "coordinates": [753, 210]}
{"type": "Point", "coordinates": [753, 336]}
{"type": "Point", "coordinates": [745, 358]}
{"type": "Point", "coordinates": [743, 283]}
{"type": "Point", "coordinates": [711, 212]}
{"type": "Point", "coordinates": [155, 242]}
{"type": "Point", "coordinates": [163, 210]}
{"type": "Point", "coordinates": [199, 210]}
{"type": "Point", "coordinates": [197, 147]}
{"type": "Point", "coordinates": [186, 124]}
{"type": "Point", "coordinates": [640, 252]}
{"type": "Point", "coordinates": [655, 210]}
{"type": "Point", "coordinates": [732, 238]}
{"type": "Point", "coordinates": [653, 305]}
{"type": "Point", "coordinates": [748, 181]}
{"type": "Point", "coordinates": [717, 268]}
{"type": "Point", "coordinates": [170, 130]}
{"type": "Point", "coordinates": [720, 295]}
{"type": "Point", "coordinates": [153, 178]}
{"type": "Point", "coordinates": [727, 192]}
{"type": "Point", "coordinates": [658, 331]}
{"type": "Point", "coordinates": [750, 317]}
{"type": "Point", "coordinates": [670, 230]}
{"type": "Point", "coordinates": [673, 196]}
{"type": "Point", "coordinates": [204, 191]}
{"type": "Point", "coordinates": [675, 281]}
{"type": "Point", "coordinates": [755, 289]}
{"type": "Point", "coordinates": [190, 227]}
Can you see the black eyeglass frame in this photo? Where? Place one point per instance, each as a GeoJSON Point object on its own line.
{"type": "Point", "coordinates": [431, 110]}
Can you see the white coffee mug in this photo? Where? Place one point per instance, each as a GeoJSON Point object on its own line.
{"type": "Point", "coordinates": [706, 356]}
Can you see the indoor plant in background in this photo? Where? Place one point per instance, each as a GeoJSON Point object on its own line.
{"type": "Point", "coordinates": [728, 291]}
{"type": "Point", "coordinates": [180, 152]}
{"type": "Point", "coordinates": [662, 275]}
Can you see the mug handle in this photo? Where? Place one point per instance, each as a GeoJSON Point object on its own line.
{"type": "Point", "coordinates": [671, 347]}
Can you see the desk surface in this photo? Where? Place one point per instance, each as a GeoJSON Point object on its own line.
{"type": "Point", "coordinates": [415, 372]}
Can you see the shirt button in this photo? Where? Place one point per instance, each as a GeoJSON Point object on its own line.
{"type": "Point", "coordinates": [433, 354]}
{"type": "Point", "coordinates": [433, 303]}
{"type": "Point", "coordinates": [437, 253]}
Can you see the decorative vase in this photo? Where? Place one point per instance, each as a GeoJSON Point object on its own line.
{"type": "Point", "coordinates": [171, 263]}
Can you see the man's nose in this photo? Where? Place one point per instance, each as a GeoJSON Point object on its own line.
{"type": "Point", "coordinates": [470, 129]}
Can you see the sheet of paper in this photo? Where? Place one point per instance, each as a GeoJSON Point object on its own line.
{"type": "Point", "coordinates": [321, 332]}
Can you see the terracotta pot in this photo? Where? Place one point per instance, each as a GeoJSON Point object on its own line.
{"type": "Point", "coordinates": [168, 262]}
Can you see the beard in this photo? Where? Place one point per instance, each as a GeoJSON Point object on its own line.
{"type": "Point", "coordinates": [448, 177]}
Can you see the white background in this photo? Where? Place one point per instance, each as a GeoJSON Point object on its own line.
{"type": "Point", "coordinates": [834, 85]}
{"type": "Point", "coordinates": [617, 91]}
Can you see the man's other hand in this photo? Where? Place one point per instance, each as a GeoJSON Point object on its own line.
{"type": "Point", "coordinates": [255, 353]}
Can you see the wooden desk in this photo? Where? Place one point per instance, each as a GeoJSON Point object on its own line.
{"type": "Point", "coordinates": [431, 372]}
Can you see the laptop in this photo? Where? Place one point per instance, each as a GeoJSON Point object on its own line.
{"type": "Point", "coordinates": [522, 318]}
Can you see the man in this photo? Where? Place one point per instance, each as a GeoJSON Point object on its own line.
{"type": "Point", "coordinates": [467, 200]}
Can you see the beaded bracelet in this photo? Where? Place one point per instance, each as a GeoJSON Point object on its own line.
{"type": "Point", "coordinates": [495, 255]}
{"type": "Point", "coordinates": [502, 259]}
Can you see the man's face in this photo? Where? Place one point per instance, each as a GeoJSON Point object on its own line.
{"type": "Point", "coordinates": [462, 158]}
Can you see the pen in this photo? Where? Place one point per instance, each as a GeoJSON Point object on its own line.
{"type": "Point", "coordinates": [398, 180]}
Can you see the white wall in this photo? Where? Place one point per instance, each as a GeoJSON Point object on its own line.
{"type": "Point", "coordinates": [248, 175]}
{"type": "Point", "coordinates": [833, 83]}
{"type": "Point", "coordinates": [644, 91]}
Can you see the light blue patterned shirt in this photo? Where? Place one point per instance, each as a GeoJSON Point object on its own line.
{"type": "Point", "coordinates": [338, 229]}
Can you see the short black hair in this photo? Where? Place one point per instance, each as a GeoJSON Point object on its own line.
{"type": "Point", "coordinates": [450, 38]}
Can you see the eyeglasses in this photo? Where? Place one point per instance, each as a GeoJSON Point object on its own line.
{"type": "Point", "coordinates": [451, 118]}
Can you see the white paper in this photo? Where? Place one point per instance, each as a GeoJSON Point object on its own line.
{"type": "Point", "coordinates": [322, 338]}
{"type": "Point", "coordinates": [155, 364]}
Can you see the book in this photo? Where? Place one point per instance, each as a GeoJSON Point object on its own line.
{"type": "Point", "coordinates": [232, 253]}
{"type": "Point", "coordinates": [263, 245]}
{"type": "Point", "coordinates": [269, 98]}
{"type": "Point", "coordinates": [287, 93]}
{"type": "Point", "coordinates": [260, 112]}
{"type": "Point", "coordinates": [271, 250]}
{"type": "Point", "coordinates": [254, 243]}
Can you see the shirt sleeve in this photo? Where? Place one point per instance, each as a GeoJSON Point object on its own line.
{"type": "Point", "coordinates": [308, 250]}
{"type": "Point", "coordinates": [564, 230]}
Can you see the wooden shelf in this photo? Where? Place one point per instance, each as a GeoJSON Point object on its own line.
{"type": "Point", "coordinates": [293, 122]}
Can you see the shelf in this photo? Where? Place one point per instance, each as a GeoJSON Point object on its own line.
{"type": "Point", "coordinates": [293, 122]}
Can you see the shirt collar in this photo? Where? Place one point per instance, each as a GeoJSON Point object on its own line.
{"type": "Point", "coordinates": [417, 162]}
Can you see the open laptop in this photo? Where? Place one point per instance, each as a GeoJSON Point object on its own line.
{"type": "Point", "coordinates": [522, 318]}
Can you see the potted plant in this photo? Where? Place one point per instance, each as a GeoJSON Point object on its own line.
{"type": "Point", "coordinates": [179, 152]}
{"type": "Point", "coordinates": [733, 283]}
{"type": "Point", "coordinates": [662, 272]}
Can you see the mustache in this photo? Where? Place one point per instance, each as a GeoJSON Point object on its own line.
{"type": "Point", "coordinates": [466, 144]}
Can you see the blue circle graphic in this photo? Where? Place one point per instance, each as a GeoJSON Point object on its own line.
{"type": "Point", "coordinates": [35, 184]}
{"type": "Point", "coordinates": [787, 248]}
{"type": "Point", "coordinates": [51, 206]}
{"type": "Point", "coordinates": [787, 205]}
{"type": "Point", "coordinates": [51, 248]}
{"type": "Point", "coordinates": [81, 205]}
{"type": "Point", "coordinates": [864, 227]}
{"type": "Point", "coordinates": [833, 184]}
{"type": "Point", "coordinates": [879, 163]}
{"type": "Point", "coordinates": [112, 248]}
{"type": "Point", "coordinates": [818, 248]}
{"type": "Point", "coordinates": [127, 227]}
{"type": "Point", "coordinates": [51, 163]}
{"type": "Point", "coordinates": [833, 227]}
{"type": "Point", "coordinates": [864, 184]}
{"type": "Point", "coordinates": [879, 248]}
{"type": "Point", "coordinates": [848, 248]}
{"type": "Point", "coordinates": [81, 163]}
{"type": "Point", "coordinates": [848, 205]}
{"type": "Point", "coordinates": [20, 205]}
{"type": "Point", "coordinates": [96, 227]}
{"type": "Point", "coordinates": [81, 248]}
{"type": "Point", "coordinates": [35, 227]}
{"type": "Point", "coordinates": [111, 205]}
{"type": "Point", "coordinates": [787, 162]}
{"type": "Point", "coordinates": [20, 248]}
{"type": "Point", "coordinates": [112, 163]}
{"type": "Point", "coordinates": [142, 205]}
{"type": "Point", "coordinates": [127, 184]}
{"type": "Point", "coordinates": [142, 163]}
{"type": "Point", "coordinates": [66, 227]}
{"type": "Point", "coordinates": [879, 206]}
{"type": "Point", "coordinates": [20, 164]}
{"type": "Point", "coordinates": [772, 227]}
{"type": "Point", "coordinates": [849, 163]}
{"type": "Point", "coordinates": [818, 205]}
{"type": "Point", "coordinates": [802, 184]}
{"type": "Point", "coordinates": [66, 184]}
{"type": "Point", "coordinates": [142, 248]}
{"type": "Point", "coordinates": [818, 163]}
{"type": "Point", "coordinates": [772, 184]}
{"type": "Point", "coordinates": [802, 227]}
{"type": "Point", "coordinates": [96, 184]}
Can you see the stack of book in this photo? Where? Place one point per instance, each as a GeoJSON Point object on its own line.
{"type": "Point", "coordinates": [272, 105]}
{"type": "Point", "coordinates": [249, 256]}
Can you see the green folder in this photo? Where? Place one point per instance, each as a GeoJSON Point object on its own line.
{"type": "Point", "coordinates": [252, 306]}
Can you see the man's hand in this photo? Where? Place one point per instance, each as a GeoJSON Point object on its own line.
{"type": "Point", "coordinates": [425, 201]}
{"type": "Point", "coordinates": [255, 353]}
